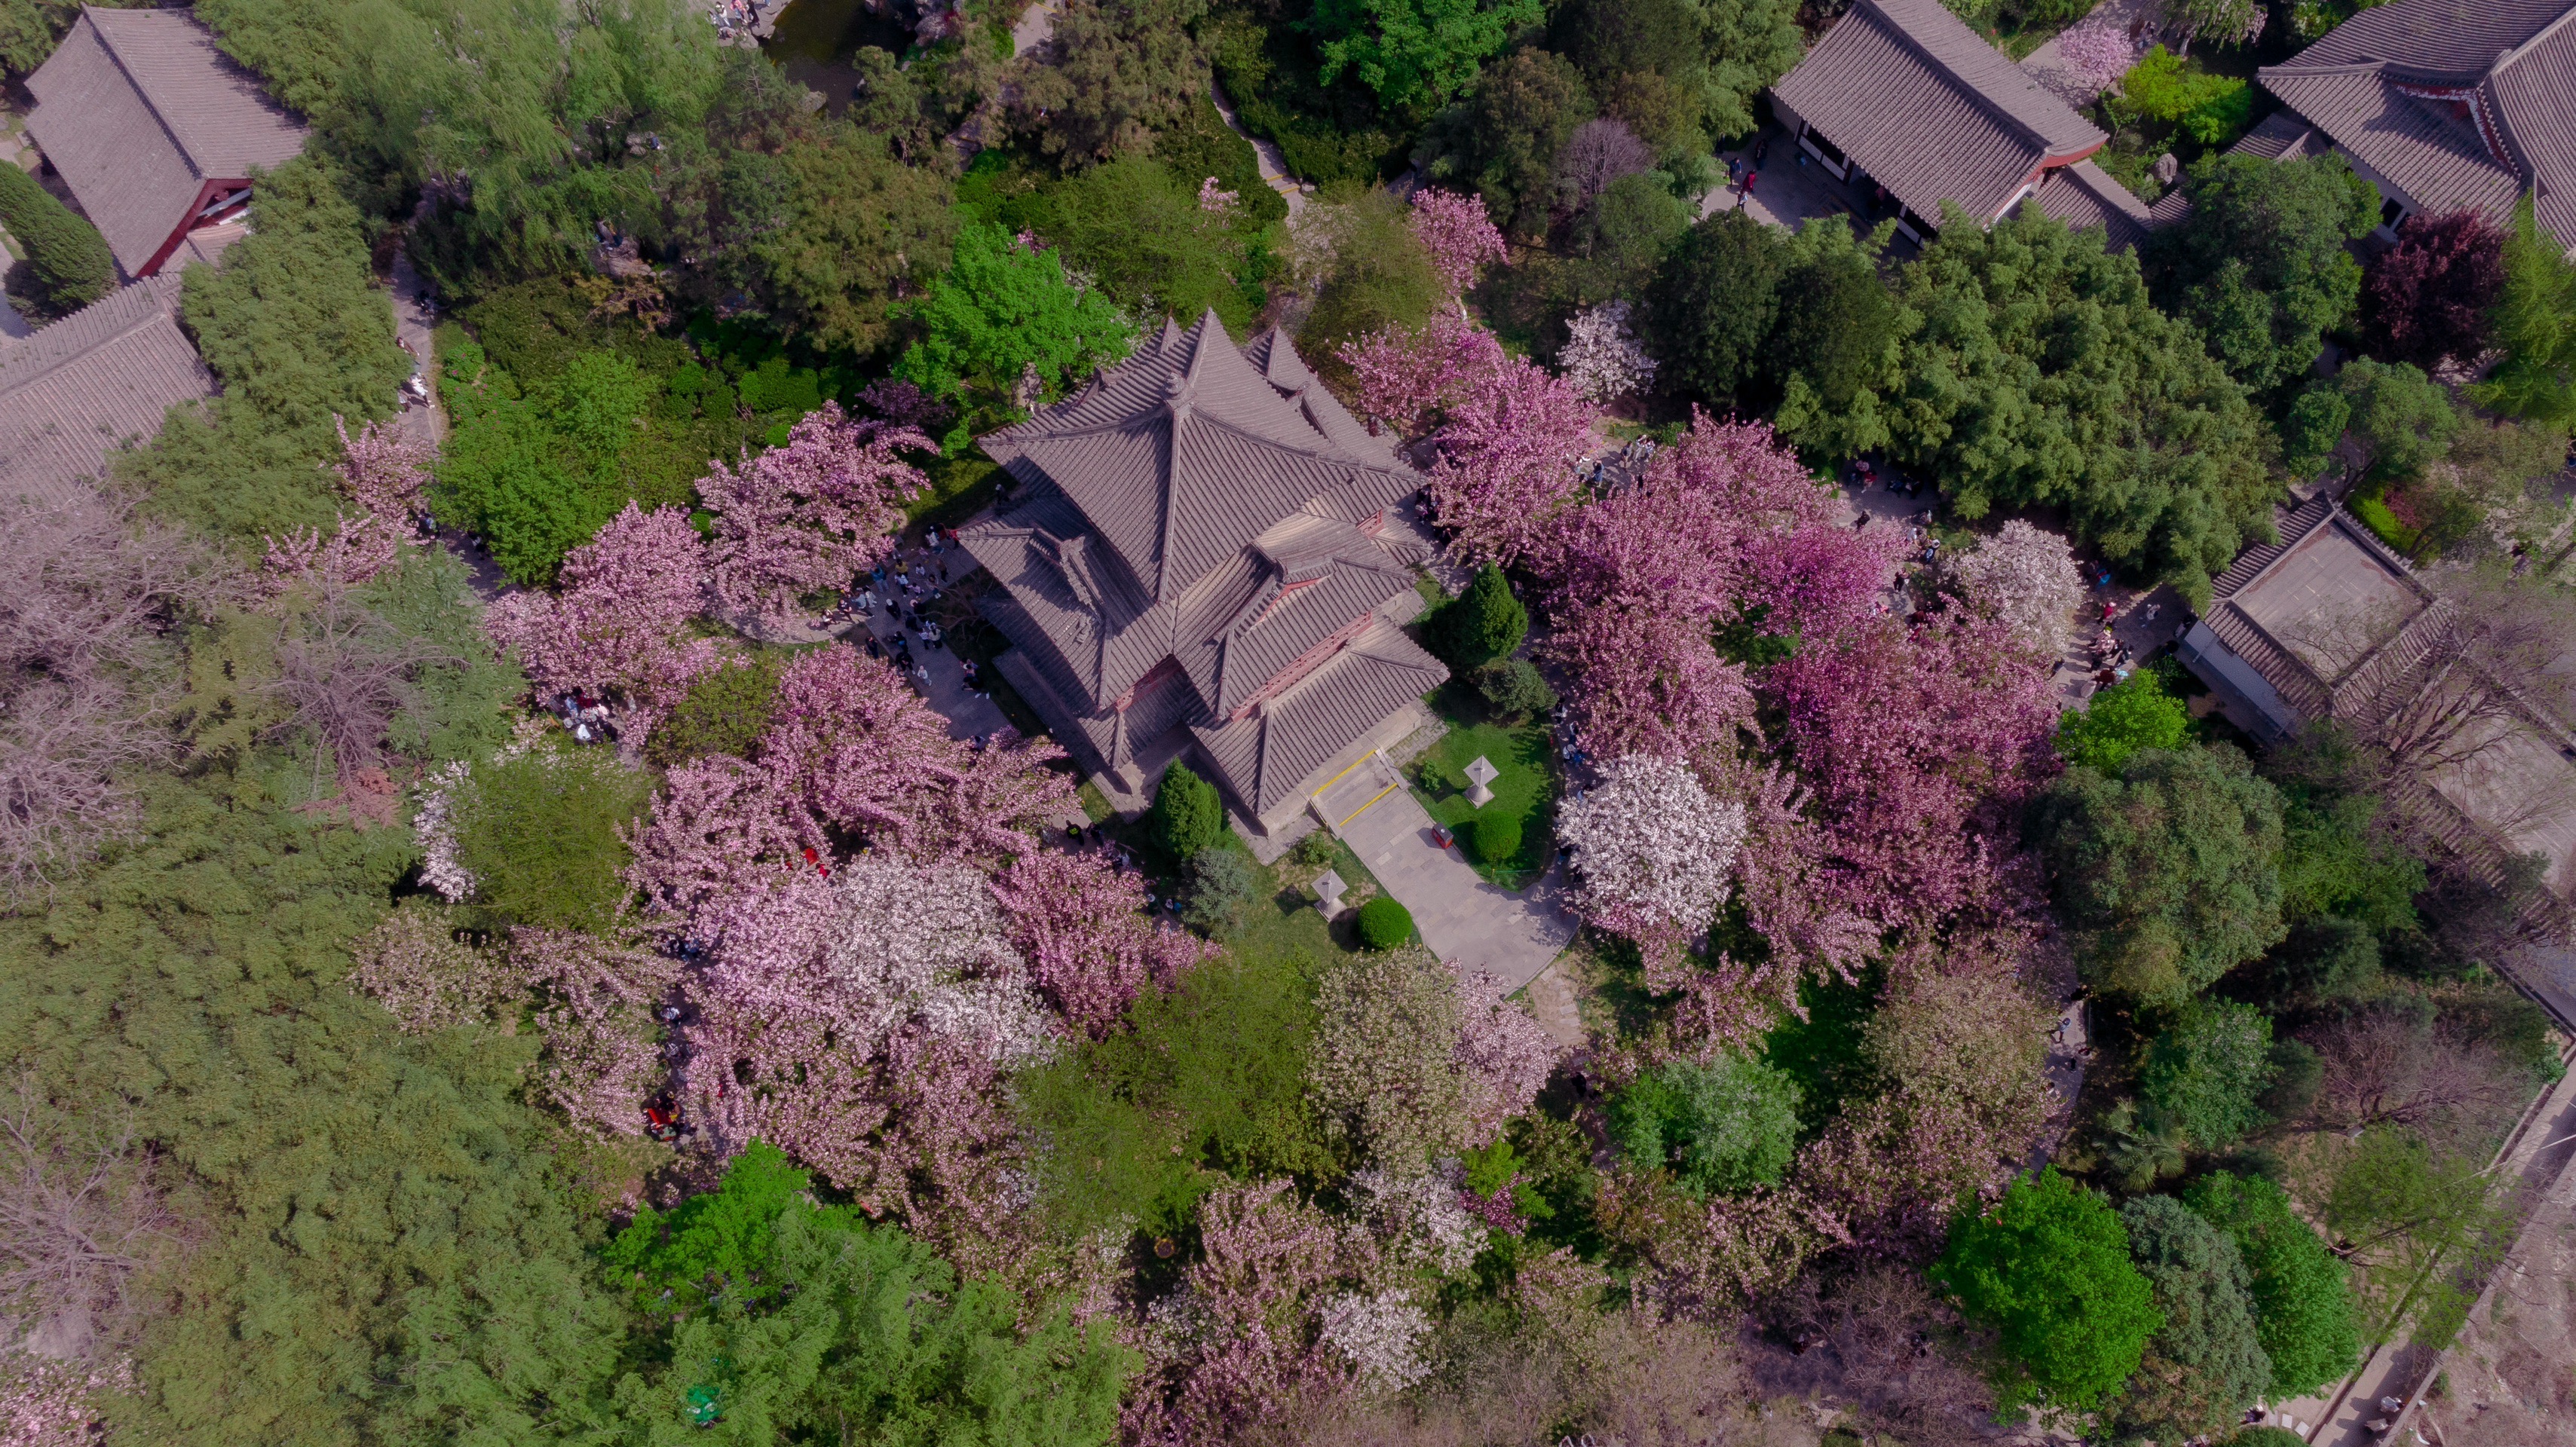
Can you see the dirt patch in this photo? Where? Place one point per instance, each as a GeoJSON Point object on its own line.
{"type": "Point", "coordinates": [2511, 1380]}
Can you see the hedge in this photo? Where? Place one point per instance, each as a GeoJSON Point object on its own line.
{"type": "Point", "coordinates": [68, 258]}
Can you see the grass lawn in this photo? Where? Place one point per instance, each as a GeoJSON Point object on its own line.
{"type": "Point", "coordinates": [1282, 920]}
{"type": "Point", "coordinates": [1525, 788]}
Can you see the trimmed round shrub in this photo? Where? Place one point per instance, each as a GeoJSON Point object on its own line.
{"type": "Point", "coordinates": [65, 254]}
{"type": "Point", "coordinates": [1385, 924]}
{"type": "Point", "coordinates": [1497, 840]}
{"type": "Point", "coordinates": [1482, 623]}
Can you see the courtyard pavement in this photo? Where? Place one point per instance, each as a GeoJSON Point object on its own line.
{"type": "Point", "coordinates": [1463, 918]}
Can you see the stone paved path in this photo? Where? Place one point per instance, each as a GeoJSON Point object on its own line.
{"type": "Point", "coordinates": [1272, 160]}
{"type": "Point", "coordinates": [1463, 918]}
{"type": "Point", "coordinates": [1554, 1000]}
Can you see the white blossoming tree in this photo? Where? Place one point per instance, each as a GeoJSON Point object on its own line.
{"type": "Point", "coordinates": [1380, 1334]}
{"type": "Point", "coordinates": [2026, 579]}
{"type": "Point", "coordinates": [1602, 356]}
{"type": "Point", "coordinates": [1653, 847]}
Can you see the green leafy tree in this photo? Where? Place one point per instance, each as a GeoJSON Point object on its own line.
{"type": "Point", "coordinates": [829, 231]}
{"type": "Point", "coordinates": [2405, 1206]}
{"type": "Point", "coordinates": [1724, 1127]}
{"type": "Point", "coordinates": [2313, 425]}
{"type": "Point", "coordinates": [2211, 109]}
{"type": "Point", "coordinates": [2049, 1268]}
{"type": "Point", "coordinates": [2036, 372]}
{"type": "Point", "coordinates": [1001, 309]}
{"type": "Point", "coordinates": [1187, 815]}
{"type": "Point", "coordinates": [1118, 71]}
{"type": "Point", "coordinates": [1834, 349]}
{"type": "Point", "coordinates": [67, 259]}
{"type": "Point", "coordinates": [1415, 52]}
{"type": "Point", "coordinates": [1712, 305]}
{"type": "Point", "coordinates": [1483, 623]}
{"type": "Point", "coordinates": [2208, 1070]}
{"type": "Point", "coordinates": [2303, 1310]}
{"type": "Point", "coordinates": [2167, 876]}
{"type": "Point", "coordinates": [1503, 139]}
{"type": "Point", "coordinates": [1138, 228]}
{"type": "Point", "coordinates": [2402, 419]}
{"type": "Point", "coordinates": [724, 712]}
{"type": "Point", "coordinates": [542, 836]}
{"type": "Point", "coordinates": [1514, 688]}
{"type": "Point", "coordinates": [1497, 838]}
{"type": "Point", "coordinates": [1750, 44]}
{"type": "Point", "coordinates": [1376, 274]}
{"type": "Point", "coordinates": [293, 325]}
{"type": "Point", "coordinates": [1626, 232]}
{"type": "Point", "coordinates": [30, 29]}
{"type": "Point", "coordinates": [1207, 1083]}
{"type": "Point", "coordinates": [2325, 958]}
{"type": "Point", "coordinates": [2135, 713]}
{"type": "Point", "coordinates": [2535, 322]}
{"type": "Point", "coordinates": [2204, 1366]}
{"type": "Point", "coordinates": [794, 1319]}
{"type": "Point", "coordinates": [2337, 857]}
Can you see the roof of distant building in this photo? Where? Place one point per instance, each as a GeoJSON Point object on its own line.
{"type": "Point", "coordinates": [75, 390]}
{"type": "Point", "coordinates": [137, 110]}
{"type": "Point", "coordinates": [2461, 106]}
{"type": "Point", "coordinates": [1931, 110]}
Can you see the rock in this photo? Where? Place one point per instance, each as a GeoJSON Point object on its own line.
{"type": "Point", "coordinates": [2167, 169]}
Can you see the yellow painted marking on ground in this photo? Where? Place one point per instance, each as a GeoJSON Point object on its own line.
{"type": "Point", "coordinates": [1364, 808]}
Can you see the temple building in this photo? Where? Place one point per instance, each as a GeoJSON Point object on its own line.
{"type": "Point", "coordinates": [1196, 562]}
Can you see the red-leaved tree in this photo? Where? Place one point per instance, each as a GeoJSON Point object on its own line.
{"type": "Point", "coordinates": [2426, 299]}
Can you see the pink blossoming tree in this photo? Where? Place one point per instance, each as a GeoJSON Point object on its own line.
{"type": "Point", "coordinates": [1408, 380]}
{"type": "Point", "coordinates": [1457, 233]}
{"type": "Point", "coordinates": [1506, 457]}
{"type": "Point", "coordinates": [809, 515]}
{"type": "Point", "coordinates": [1090, 947]}
{"type": "Point", "coordinates": [620, 623]}
{"type": "Point", "coordinates": [862, 754]}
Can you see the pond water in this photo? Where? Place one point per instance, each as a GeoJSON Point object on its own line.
{"type": "Point", "coordinates": [813, 41]}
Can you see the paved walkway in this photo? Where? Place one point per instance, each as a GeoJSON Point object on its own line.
{"type": "Point", "coordinates": [413, 325]}
{"type": "Point", "coordinates": [1272, 160]}
{"type": "Point", "coordinates": [1035, 27]}
{"type": "Point", "coordinates": [1463, 918]}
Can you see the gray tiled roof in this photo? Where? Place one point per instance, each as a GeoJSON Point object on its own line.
{"type": "Point", "coordinates": [2085, 195]}
{"type": "Point", "coordinates": [1144, 592]}
{"type": "Point", "coordinates": [136, 109]}
{"type": "Point", "coordinates": [76, 389]}
{"type": "Point", "coordinates": [1268, 753]}
{"type": "Point", "coordinates": [1179, 455]}
{"type": "Point", "coordinates": [1930, 110]}
{"type": "Point", "coordinates": [2460, 105]}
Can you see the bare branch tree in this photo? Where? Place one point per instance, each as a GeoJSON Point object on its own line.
{"type": "Point", "coordinates": [79, 1220]}
{"type": "Point", "coordinates": [2384, 1067]}
{"type": "Point", "coordinates": [1598, 153]}
{"type": "Point", "coordinates": [84, 670]}
{"type": "Point", "coordinates": [347, 673]}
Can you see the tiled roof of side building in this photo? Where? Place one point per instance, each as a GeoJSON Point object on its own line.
{"type": "Point", "coordinates": [2084, 195]}
{"type": "Point", "coordinates": [137, 108]}
{"type": "Point", "coordinates": [2458, 105]}
{"type": "Point", "coordinates": [75, 390]}
{"type": "Point", "coordinates": [1931, 110]}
